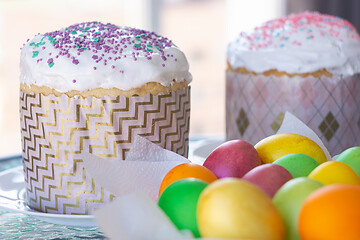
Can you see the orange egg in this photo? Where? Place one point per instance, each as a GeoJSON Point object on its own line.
{"type": "Point", "coordinates": [331, 212]}
{"type": "Point", "coordinates": [187, 170]}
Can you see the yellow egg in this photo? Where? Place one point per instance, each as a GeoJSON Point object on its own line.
{"type": "Point", "coordinates": [333, 172]}
{"type": "Point", "coordinates": [234, 208]}
{"type": "Point", "coordinates": [278, 145]}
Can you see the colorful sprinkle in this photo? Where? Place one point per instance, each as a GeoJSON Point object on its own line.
{"type": "Point", "coordinates": [107, 43]}
{"type": "Point", "coordinates": [296, 29]}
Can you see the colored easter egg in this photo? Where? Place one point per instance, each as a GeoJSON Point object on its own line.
{"type": "Point", "coordinates": [333, 172]}
{"type": "Point", "coordinates": [232, 159]}
{"type": "Point", "coordinates": [331, 213]}
{"type": "Point", "coordinates": [236, 209]}
{"type": "Point", "coordinates": [278, 145]}
{"type": "Point", "coordinates": [179, 201]}
{"type": "Point", "coordinates": [289, 199]}
{"type": "Point", "coordinates": [351, 157]}
{"type": "Point", "coordinates": [268, 177]}
{"type": "Point", "coordinates": [187, 170]}
{"type": "Point", "coordinates": [298, 164]}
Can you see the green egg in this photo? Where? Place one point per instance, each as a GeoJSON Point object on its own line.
{"type": "Point", "coordinates": [298, 164]}
{"type": "Point", "coordinates": [351, 157]}
{"type": "Point", "coordinates": [179, 201]}
{"type": "Point", "coordinates": [288, 201]}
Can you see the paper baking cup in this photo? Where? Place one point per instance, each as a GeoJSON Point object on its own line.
{"type": "Point", "coordinates": [55, 130]}
{"type": "Point", "coordinates": [255, 106]}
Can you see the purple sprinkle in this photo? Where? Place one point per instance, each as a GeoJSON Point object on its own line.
{"type": "Point", "coordinates": [95, 57]}
{"type": "Point", "coordinates": [75, 61]}
{"type": "Point", "coordinates": [50, 60]}
{"type": "Point", "coordinates": [163, 65]}
{"type": "Point", "coordinates": [112, 66]}
{"type": "Point", "coordinates": [94, 68]}
{"type": "Point", "coordinates": [74, 81]}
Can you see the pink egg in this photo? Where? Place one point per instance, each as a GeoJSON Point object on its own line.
{"type": "Point", "coordinates": [269, 177]}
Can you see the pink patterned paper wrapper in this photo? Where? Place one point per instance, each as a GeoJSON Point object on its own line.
{"type": "Point", "coordinates": [56, 130]}
{"type": "Point", "coordinates": [255, 106]}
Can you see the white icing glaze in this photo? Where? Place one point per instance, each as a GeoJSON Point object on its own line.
{"type": "Point", "coordinates": [149, 58]}
{"type": "Point", "coordinates": [300, 43]}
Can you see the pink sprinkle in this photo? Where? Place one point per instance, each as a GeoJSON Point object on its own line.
{"type": "Point", "coordinates": [94, 68]}
{"type": "Point", "coordinates": [74, 81]}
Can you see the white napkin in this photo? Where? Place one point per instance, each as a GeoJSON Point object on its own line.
{"type": "Point", "coordinates": [136, 217]}
{"type": "Point", "coordinates": [143, 170]}
{"type": "Point", "coordinates": [292, 124]}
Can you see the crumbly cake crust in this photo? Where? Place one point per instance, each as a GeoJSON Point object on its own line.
{"type": "Point", "coordinates": [151, 87]}
{"type": "Point", "coordinates": [319, 73]}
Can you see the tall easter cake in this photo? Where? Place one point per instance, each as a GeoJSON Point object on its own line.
{"type": "Point", "coordinates": [93, 87]}
{"type": "Point", "coordinates": [305, 63]}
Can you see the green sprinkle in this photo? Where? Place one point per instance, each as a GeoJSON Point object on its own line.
{"type": "Point", "coordinates": [52, 40]}
{"type": "Point", "coordinates": [35, 54]}
{"type": "Point", "coordinates": [39, 44]}
{"type": "Point", "coordinates": [149, 50]}
{"type": "Point", "coordinates": [73, 32]}
{"type": "Point", "coordinates": [137, 38]}
{"type": "Point", "coordinates": [149, 46]}
{"type": "Point", "coordinates": [32, 44]}
{"type": "Point", "coordinates": [157, 47]}
{"type": "Point", "coordinates": [51, 64]}
{"type": "Point", "coordinates": [137, 45]}
{"type": "Point", "coordinates": [84, 30]}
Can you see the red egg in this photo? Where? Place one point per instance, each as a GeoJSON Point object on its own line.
{"type": "Point", "coordinates": [232, 159]}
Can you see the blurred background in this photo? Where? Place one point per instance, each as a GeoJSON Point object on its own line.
{"type": "Point", "coordinates": [201, 28]}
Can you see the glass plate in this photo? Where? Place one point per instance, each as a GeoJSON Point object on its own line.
{"type": "Point", "coordinates": [12, 198]}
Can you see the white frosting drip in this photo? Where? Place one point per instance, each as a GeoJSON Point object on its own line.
{"type": "Point", "coordinates": [301, 43]}
{"type": "Point", "coordinates": [125, 73]}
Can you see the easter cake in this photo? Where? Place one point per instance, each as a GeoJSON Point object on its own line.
{"type": "Point", "coordinates": [93, 87]}
{"type": "Point", "coordinates": [306, 63]}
